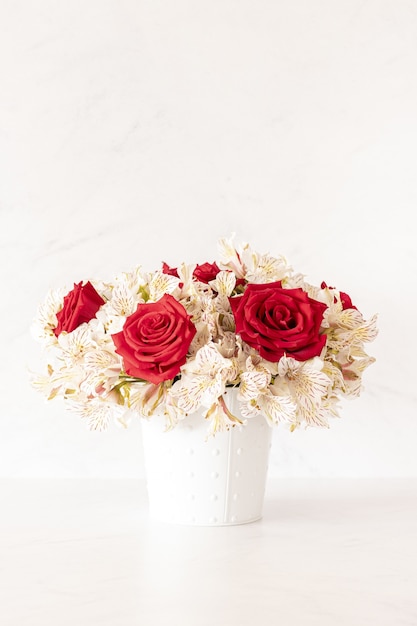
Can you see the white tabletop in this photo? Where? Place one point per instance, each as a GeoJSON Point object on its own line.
{"type": "Point", "coordinates": [328, 552]}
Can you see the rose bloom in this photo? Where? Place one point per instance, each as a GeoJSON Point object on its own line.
{"type": "Point", "coordinates": [171, 271]}
{"type": "Point", "coordinates": [204, 273]}
{"type": "Point", "coordinates": [278, 322]}
{"type": "Point", "coordinates": [155, 339]}
{"type": "Point", "coordinates": [80, 305]}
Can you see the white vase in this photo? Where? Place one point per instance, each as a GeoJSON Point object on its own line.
{"type": "Point", "coordinates": [210, 481]}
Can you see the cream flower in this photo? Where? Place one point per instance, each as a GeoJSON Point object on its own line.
{"type": "Point", "coordinates": [203, 380]}
{"type": "Point", "coordinates": [306, 384]}
{"type": "Point", "coordinates": [97, 412]}
{"type": "Point", "coordinates": [160, 284]}
{"type": "Point", "coordinates": [229, 257]}
{"type": "Point", "coordinates": [45, 322]}
{"type": "Point", "coordinates": [264, 268]}
{"type": "Point", "coordinates": [224, 283]}
{"type": "Point", "coordinates": [220, 418]}
{"type": "Point", "coordinates": [258, 396]}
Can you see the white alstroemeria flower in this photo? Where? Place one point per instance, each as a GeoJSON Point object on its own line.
{"type": "Point", "coordinates": [172, 413]}
{"type": "Point", "coordinates": [306, 383]}
{"type": "Point", "coordinates": [189, 287]}
{"type": "Point", "coordinates": [223, 316]}
{"type": "Point", "coordinates": [350, 319]}
{"type": "Point", "coordinates": [277, 408]}
{"type": "Point", "coordinates": [203, 380]}
{"type": "Point", "coordinates": [124, 299]}
{"type": "Point", "coordinates": [331, 314]}
{"type": "Point", "coordinates": [297, 281]}
{"type": "Point", "coordinates": [220, 418]}
{"type": "Point", "coordinates": [258, 396]}
{"type": "Point", "coordinates": [226, 344]}
{"type": "Point", "coordinates": [206, 314]}
{"type": "Point", "coordinates": [335, 317]}
{"type": "Point", "coordinates": [347, 354]}
{"type": "Point", "coordinates": [97, 412]}
{"type": "Point", "coordinates": [334, 373]}
{"type": "Point", "coordinates": [201, 338]}
{"type": "Point", "coordinates": [112, 322]}
{"type": "Point", "coordinates": [103, 368]}
{"type": "Point", "coordinates": [42, 328]}
{"type": "Point", "coordinates": [264, 268]}
{"type": "Point", "coordinates": [229, 257]}
{"type": "Point", "coordinates": [224, 283]}
{"type": "Point", "coordinates": [331, 297]}
{"type": "Point", "coordinates": [75, 344]}
{"type": "Point", "coordinates": [251, 360]}
{"type": "Point", "coordinates": [352, 375]}
{"type": "Point", "coordinates": [352, 333]}
{"type": "Point", "coordinates": [353, 385]}
{"type": "Point", "coordinates": [51, 384]}
{"type": "Point", "coordinates": [143, 397]}
{"type": "Point", "coordinates": [59, 380]}
{"type": "Point", "coordinates": [254, 381]}
{"type": "Point", "coordinates": [160, 284]}
{"type": "Point", "coordinates": [208, 361]}
{"type": "Point", "coordinates": [198, 390]}
{"type": "Point", "coordinates": [134, 280]}
{"type": "Point", "coordinates": [327, 295]}
{"type": "Point", "coordinates": [329, 408]}
{"type": "Point", "coordinates": [363, 332]}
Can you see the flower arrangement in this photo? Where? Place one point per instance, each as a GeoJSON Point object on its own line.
{"type": "Point", "coordinates": [174, 339]}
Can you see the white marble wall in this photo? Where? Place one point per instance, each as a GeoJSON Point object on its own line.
{"type": "Point", "coordinates": [140, 131]}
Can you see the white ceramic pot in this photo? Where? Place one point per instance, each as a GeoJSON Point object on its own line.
{"type": "Point", "coordinates": [214, 481]}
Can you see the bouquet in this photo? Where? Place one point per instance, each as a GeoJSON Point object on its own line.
{"type": "Point", "coordinates": [173, 340]}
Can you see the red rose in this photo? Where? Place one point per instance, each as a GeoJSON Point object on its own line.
{"type": "Point", "coordinates": [346, 301]}
{"type": "Point", "coordinates": [155, 340]}
{"type": "Point", "coordinates": [171, 271]}
{"type": "Point", "coordinates": [206, 272]}
{"type": "Point", "coordinates": [278, 322]}
{"type": "Point", "coordinates": [80, 305]}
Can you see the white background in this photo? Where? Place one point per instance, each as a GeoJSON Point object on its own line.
{"type": "Point", "coordinates": [133, 132]}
